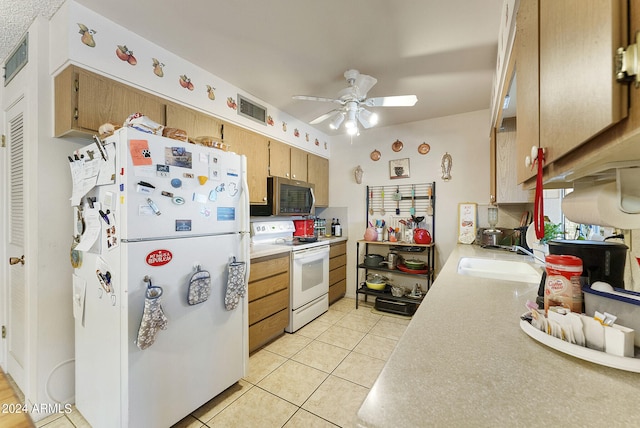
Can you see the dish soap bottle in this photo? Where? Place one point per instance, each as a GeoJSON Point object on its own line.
{"type": "Point", "coordinates": [338, 228]}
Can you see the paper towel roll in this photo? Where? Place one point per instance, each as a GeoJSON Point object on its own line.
{"type": "Point", "coordinates": [598, 205]}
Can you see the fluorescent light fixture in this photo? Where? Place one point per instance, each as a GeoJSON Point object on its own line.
{"type": "Point", "coordinates": [507, 100]}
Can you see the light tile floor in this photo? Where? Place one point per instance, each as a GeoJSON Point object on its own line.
{"type": "Point", "coordinates": [316, 377]}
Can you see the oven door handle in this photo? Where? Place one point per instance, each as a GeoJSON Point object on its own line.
{"type": "Point", "coordinates": [311, 252]}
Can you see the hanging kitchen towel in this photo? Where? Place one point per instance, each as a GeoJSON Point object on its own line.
{"type": "Point", "coordinates": [153, 317]}
{"type": "Point", "coordinates": [236, 286]}
{"type": "Point", "coordinates": [199, 287]}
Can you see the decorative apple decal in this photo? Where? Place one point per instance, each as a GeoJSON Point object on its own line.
{"type": "Point", "coordinates": [126, 55]}
{"type": "Point", "coordinates": [231, 103]}
{"type": "Point", "coordinates": [185, 82]}
{"type": "Point", "coordinates": [296, 133]}
{"type": "Point", "coordinates": [270, 120]}
{"type": "Point", "coordinates": [317, 143]}
{"type": "Point", "coordinates": [210, 92]}
{"type": "Point", "coordinates": [87, 35]}
{"type": "Point", "coordinates": [157, 68]}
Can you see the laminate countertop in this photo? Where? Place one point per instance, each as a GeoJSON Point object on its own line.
{"type": "Point", "coordinates": [464, 361]}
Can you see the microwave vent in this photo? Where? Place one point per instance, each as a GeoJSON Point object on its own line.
{"type": "Point", "coordinates": [252, 110]}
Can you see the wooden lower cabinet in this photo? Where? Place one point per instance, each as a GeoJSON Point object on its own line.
{"type": "Point", "coordinates": [268, 299]}
{"type": "Point", "coordinates": [337, 271]}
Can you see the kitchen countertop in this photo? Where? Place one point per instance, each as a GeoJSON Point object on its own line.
{"type": "Point", "coordinates": [464, 361]}
{"type": "Point", "coordinates": [263, 250]}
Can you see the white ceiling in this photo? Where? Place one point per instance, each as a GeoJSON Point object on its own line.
{"type": "Point", "coordinates": [442, 51]}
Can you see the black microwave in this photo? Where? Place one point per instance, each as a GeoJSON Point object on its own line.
{"type": "Point", "coordinates": [286, 197]}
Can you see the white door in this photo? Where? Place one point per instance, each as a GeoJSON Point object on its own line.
{"type": "Point", "coordinates": [15, 291]}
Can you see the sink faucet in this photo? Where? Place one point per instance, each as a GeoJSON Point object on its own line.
{"type": "Point", "coordinates": [516, 248]}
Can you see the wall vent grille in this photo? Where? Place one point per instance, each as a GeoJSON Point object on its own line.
{"type": "Point", "coordinates": [252, 110]}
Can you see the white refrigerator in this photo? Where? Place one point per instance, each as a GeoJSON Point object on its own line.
{"type": "Point", "coordinates": [161, 325]}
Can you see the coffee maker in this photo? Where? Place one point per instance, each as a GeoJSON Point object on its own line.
{"type": "Point", "coordinates": [601, 261]}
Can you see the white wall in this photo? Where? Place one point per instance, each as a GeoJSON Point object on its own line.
{"type": "Point", "coordinates": [463, 136]}
{"type": "Point", "coordinates": [48, 231]}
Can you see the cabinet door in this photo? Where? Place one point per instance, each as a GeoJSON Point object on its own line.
{"type": "Point", "coordinates": [102, 100]}
{"type": "Point", "coordinates": [579, 97]}
{"type": "Point", "coordinates": [279, 159]}
{"type": "Point", "coordinates": [255, 148]}
{"type": "Point", "coordinates": [507, 188]}
{"type": "Point", "coordinates": [195, 123]}
{"type": "Point", "coordinates": [527, 109]}
{"type": "Point", "coordinates": [318, 174]}
{"type": "Point", "coordinates": [298, 164]}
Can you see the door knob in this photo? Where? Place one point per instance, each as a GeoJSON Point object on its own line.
{"type": "Point", "coordinates": [15, 260]}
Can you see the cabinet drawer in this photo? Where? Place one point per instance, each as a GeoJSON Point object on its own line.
{"type": "Point", "coordinates": [266, 286]}
{"type": "Point", "coordinates": [337, 290]}
{"type": "Point", "coordinates": [337, 261]}
{"type": "Point", "coordinates": [265, 330]}
{"type": "Point", "coordinates": [338, 249]}
{"type": "Point", "coordinates": [267, 306]}
{"type": "Point", "coordinates": [338, 274]}
{"type": "Point", "coordinates": [268, 266]}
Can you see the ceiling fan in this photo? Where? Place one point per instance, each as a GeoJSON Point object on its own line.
{"type": "Point", "coordinates": [353, 100]}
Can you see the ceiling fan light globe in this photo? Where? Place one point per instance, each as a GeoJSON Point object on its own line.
{"type": "Point", "coordinates": [337, 121]}
{"type": "Point", "coordinates": [350, 124]}
{"type": "Point", "coordinates": [352, 130]}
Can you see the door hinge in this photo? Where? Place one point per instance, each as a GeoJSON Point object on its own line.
{"type": "Point", "coordinates": [627, 63]}
{"type": "Point", "coordinates": [3, 141]}
{"type": "Point", "coordinates": [4, 332]}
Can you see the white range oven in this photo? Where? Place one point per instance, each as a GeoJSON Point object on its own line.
{"type": "Point", "coordinates": [309, 273]}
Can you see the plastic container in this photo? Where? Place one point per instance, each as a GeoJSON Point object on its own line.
{"type": "Point", "coordinates": [562, 287]}
{"type": "Point", "coordinates": [625, 304]}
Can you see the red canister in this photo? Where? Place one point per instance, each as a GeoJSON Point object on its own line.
{"type": "Point", "coordinates": [562, 287]}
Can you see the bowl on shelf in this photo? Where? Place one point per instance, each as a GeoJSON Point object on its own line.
{"type": "Point", "coordinates": [376, 282]}
{"type": "Point", "coordinates": [414, 264]}
{"type": "Point", "coordinates": [397, 291]}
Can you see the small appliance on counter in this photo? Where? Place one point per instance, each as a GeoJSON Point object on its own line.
{"type": "Point", "coordinates": [305, 230]}
{"type": "Point", "coordinates": [601, 261]}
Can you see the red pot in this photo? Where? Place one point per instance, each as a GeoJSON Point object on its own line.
{"type": "Point", "coordinates": [421, 236]}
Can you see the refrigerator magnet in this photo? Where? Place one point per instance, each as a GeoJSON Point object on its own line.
{"type": "Point", "coordinates": [162, 170]}
{"type": "Point", "coordinates": [178, 200]}
{"type": "Point", "coordinates": [213, 195]}
{"type": "Point", "coordinates": [200, 198]}
{"type": "Point", "coordinates": [183, 225]}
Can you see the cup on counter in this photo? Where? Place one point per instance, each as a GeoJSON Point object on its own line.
{"type": "Point", "coordinates": [380, 232]}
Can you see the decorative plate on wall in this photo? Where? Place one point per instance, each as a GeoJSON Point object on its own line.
{"type": "Point", "coordinates": [375, 155]}
{"type": "Point", "coordinates": [397, 146]}
{"type": "Point", "coordinates": [424, 148]}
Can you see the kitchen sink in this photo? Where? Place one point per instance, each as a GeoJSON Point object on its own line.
{"type": "Point", "coordinates": [506, 270]}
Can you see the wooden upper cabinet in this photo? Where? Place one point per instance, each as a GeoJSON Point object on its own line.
{"type": "Point", "coordinates": [287, 161]}
{"type": "Point", "coordinates": [579, 97]}
{"type": "Point", "coordinates": [85, 100]}
{"type": "Point", "coordinates": [506, 188]}
{"type": "Point", "coordinates": [318, 174]}
{"type": "Point", "coordinates": [256, 148]}
{"type": "Point", "coordinates": [527, 66]}
{"type": "Point", "coordinates": [195, 123]}
{"type": "Point", "coordinates": [279, 159]}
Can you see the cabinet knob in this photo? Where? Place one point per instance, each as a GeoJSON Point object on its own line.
{"type": "Point", "coordinates": [264, 199]}
{"type": "Point", "coordinates": [287, 175]}
{"type": "Point", "coordinates": [294, 176]}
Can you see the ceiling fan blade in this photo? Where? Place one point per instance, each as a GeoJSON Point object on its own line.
{"type": "Point", "coordinates": [364, 83]}
{"type": "Point", "coordinates": [312, 98]}
{"type": "Point", "coordinates": [323, 117]}
{"type": "Point", "coordinates": [394, 101]}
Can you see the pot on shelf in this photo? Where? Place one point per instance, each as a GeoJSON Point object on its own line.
{"type": "Point", "coordinates": [421, 236]}
{"type": "Point", "coordinates": [373, 260]}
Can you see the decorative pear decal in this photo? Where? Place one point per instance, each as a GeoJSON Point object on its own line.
{"type": "Point", "coordinates": [157, 68]}
{"type": "Point", "coordinates": [87, 35]}
{"type": "Point", "coordinates": [210, 92]}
